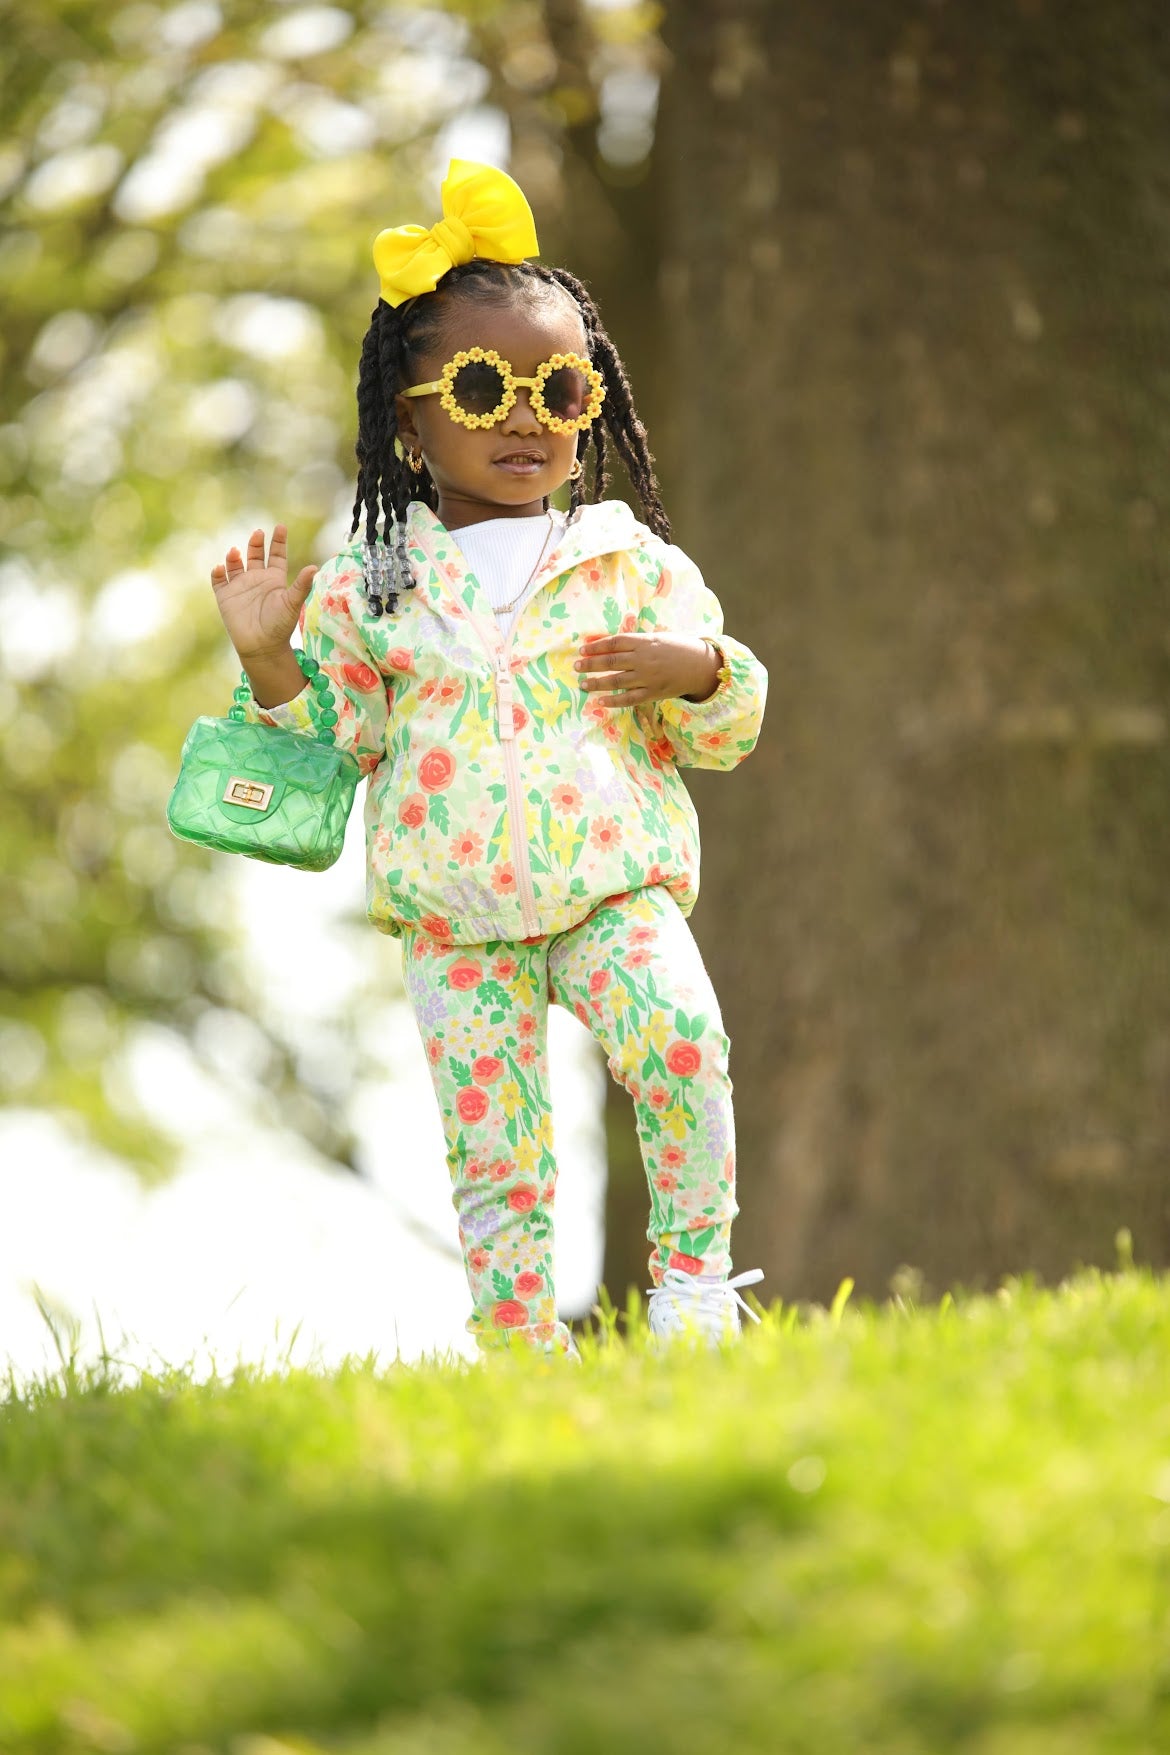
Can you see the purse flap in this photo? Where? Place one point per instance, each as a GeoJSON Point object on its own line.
{"type": "Point", "coordinates": [266, 754]}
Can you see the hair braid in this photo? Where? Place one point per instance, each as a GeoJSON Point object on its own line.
{"type": "Point", "coordinates": [596, 438]}
{"type": "Point", "coordinates": [618, 411]}
{"type": "Point", "coordinates": [371, 437]}
{"type": "Point", "coordinates": [384, 483]}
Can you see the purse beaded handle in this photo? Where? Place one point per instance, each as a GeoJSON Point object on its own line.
{"type": "Point", "coordinates": [318, 703]}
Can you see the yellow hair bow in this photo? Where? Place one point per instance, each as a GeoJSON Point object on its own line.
{"type": "Point", "coordinates": [485, 214]}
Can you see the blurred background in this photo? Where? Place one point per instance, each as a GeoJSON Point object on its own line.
{"type": "Point", "coordinates": [891, 285]}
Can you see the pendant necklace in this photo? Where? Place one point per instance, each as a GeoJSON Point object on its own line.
{"type": "Point", "coordinates": [500, 609]}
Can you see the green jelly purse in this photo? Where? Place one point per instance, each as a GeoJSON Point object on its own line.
{"type": "Point", "coordinates": [265, 792]}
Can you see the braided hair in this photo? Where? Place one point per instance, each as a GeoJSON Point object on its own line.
{"type": "Point", "coordinates": [399, 335]}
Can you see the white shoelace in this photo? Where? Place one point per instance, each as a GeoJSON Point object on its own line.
{"type": "Point", "coordinates": [706, 1302]}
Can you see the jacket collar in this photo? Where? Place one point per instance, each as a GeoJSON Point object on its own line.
{"type": "Point", "coordinates": [592, 531]}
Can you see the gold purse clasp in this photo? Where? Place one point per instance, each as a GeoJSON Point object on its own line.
{"type": "Point", "coordinates": [254, 794]}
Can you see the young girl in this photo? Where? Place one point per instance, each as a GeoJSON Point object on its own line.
{"type": "Point", "coordinates": [521, 687]}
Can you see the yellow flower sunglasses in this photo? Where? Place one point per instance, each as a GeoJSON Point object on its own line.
{"type": "Point", "coordinates": [478, 387]}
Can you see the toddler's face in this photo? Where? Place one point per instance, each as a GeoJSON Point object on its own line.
{"type": "Point", "coordinates": [505, 470]}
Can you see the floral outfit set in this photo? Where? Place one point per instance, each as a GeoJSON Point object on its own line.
{"type": "Point", "coordinates": [527, 844]}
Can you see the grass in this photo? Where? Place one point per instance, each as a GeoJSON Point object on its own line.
{"type": "Point", "coordinates": [878, 1528]}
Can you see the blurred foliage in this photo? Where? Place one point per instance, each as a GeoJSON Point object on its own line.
{"type": "Point", "coordinates": [187, 199]}
{"type": "Point", "coordinates": [903, 1530]}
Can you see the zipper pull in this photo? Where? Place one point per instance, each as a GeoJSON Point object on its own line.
{"type": "Point", "coordinates": [504, 697]}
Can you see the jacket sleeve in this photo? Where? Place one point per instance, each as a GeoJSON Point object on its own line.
{"type": "Point", "coordinates": [720, 731]}
{"type": "Point", "coordinates": [331, 633]}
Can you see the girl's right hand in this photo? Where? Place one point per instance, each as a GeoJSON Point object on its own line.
{"type": "Point", "coordinates": [260, 609]}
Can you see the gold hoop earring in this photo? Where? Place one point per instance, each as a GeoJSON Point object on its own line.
{"type": "Point", "coordinates": [577, 470]}
{"type": "Point", "coordinates": [414, 461]}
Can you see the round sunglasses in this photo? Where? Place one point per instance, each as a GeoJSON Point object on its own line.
{"type": "Point", "coordinates": [477, 388]}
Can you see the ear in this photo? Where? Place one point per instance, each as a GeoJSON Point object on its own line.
{"type": "Point", "coordinates": [407, 431]}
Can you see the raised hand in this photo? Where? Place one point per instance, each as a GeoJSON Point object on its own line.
{"type": "Point", "coordinates": [260, 609]}
{"type": "Point", "coordinates": [624, 670]}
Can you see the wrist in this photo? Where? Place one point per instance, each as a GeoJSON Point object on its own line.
{"type": "Point", "coordinates": [276, 678]}
{"type": "Point", "coordinates": [267, 655]}
{"type": "Point", "coordinates": [709, 672]}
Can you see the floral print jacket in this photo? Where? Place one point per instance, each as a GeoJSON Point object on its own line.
{"type": "Point", "coordinates": [503, 801]}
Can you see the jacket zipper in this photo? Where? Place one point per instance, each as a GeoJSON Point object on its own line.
{"type": "Point", "coordinates": [505, 726]}
{"type": "Point", "coordinates": [507, 731]}
{"type": "Point", "coordinates": [498, 650]}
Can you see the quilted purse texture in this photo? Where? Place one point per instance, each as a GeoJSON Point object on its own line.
{"type": "Point", "coordinates": [267, 793]}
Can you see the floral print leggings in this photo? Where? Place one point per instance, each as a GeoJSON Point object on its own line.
{"type": "Point", "coordinates": [632, 972]}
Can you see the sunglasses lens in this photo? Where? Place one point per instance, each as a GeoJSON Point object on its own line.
{"type": "Point", "coordinates": [566, 393]}
{"type": "Point", "coordinates": [478, 387]}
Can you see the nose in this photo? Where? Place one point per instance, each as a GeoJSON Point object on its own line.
{"type": "Point", "coordinates": [521, 417]}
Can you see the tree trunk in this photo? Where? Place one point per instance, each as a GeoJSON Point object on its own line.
{"type": "Point", "coordinates": [911, 404]}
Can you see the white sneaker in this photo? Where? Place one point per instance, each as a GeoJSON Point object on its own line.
{"type": "Point", "coordinates": [690, 1304]}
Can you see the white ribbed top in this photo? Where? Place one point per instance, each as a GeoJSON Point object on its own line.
{"type": "Point", "coordinates": [503, 552]}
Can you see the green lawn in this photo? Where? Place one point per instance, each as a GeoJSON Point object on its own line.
{"type": "Point", "coordinates": [877, 1531]}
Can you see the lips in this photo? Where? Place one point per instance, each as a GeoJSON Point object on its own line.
{"type": "Point", "coordinates": [520, 457]}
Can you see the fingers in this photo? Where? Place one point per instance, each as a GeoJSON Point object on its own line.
{"type": "Point", "coordinates": [227, 569]}
{"type": "Point", "coordinates": [601, 642]}
{"type": "Point", "coordinates": [621, 658]}
{"type": "Point", "coordinates": [616, 688]}
{"type": "Point", "coordinates": [625, 698]}
{"type": "Point", "coordinates": [234, 563]}
{"type": "Point", "coordinates": [277, 553]}
{"type": "Point", "coordinates": [611, 679]}
{"type": "Point", "coordinates": [609, 670]}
